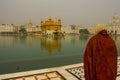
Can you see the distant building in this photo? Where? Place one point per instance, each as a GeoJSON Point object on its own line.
{"type": "Point", "coordinates": [31, 28]}
{"type": "Point", "coordinates": [50, 26]}
{"type": "Point", "coordinates": [114, 25]}
{"type": "Point", "coordinates": [7, 29]}
{"type": "Point", "coordinates": [73, 29]}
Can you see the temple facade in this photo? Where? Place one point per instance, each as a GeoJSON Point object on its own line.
{"type": "Point", "coordinates": [50, 26]}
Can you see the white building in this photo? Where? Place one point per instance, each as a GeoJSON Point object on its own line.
{"type": "Point", "coordinates": [7, 28]}
{"type": "Point", "coordinates": [72, 29]}
{"type": "Point", "coordinates": [31, 27]}
{"type": "Point", "coordinates": [114, 25]}
{"type": "Point", "coordinates": [75, 29]}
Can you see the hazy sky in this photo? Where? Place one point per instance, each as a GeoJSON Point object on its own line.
{"type": "Point", "coordinates": [79, 12]}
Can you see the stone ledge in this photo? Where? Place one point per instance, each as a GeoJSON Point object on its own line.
{"type": "Point", "coordinates": [69, 72]}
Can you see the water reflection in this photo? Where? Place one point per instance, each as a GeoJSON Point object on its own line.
{"type": "Point", "coordinates": [6, 41]}
{"type": "Point", "coordinates": [27, 40]}
{"type": "Point", "coordinates": [74, 39]}
{"type": "Point", "coordinates": [51, 44]}
{"type": "Point", "coordinates": [85, 37]}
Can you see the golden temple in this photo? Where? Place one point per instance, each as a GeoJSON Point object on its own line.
{"type": "Point", "coordinates": [50, 26]}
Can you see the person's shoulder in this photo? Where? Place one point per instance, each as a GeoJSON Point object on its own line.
{"type": "Point", "coordinates": [93, 37]}
{"type": "Point", "coordinates": [92, 40]}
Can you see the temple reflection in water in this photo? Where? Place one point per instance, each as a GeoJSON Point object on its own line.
{"type": "Point", "coordinates": [47, 45]}
{"type": "Point", "coordinates": [51, 44]}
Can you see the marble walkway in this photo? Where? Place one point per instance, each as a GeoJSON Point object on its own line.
{"type": "Point", "coordinates": [69, 72]}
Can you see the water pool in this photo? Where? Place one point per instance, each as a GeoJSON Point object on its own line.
{"type": "Point", "coordinates": [23, 53]}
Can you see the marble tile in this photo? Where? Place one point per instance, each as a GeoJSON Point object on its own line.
{"type": "Point", "coordinates": [41, 77]}
{"type": "Point", "coordinates": [52, 75]}
{"type": "Point", "coordinates": [57, 78]}
{"type": "Point", "coordinates": [29, 78]}
{"type": "Point", "coordinates": [118, 68]}
{"type": "Point", "coordinates": [17, 79]}
{"type": "Point", "coordinates": [78, 72]}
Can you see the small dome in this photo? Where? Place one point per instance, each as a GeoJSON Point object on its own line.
{"type": "Point", "coordinates": [49, 18]}
{"type": "Point", "coordinates": [30, 23]}
{"type": "Point", "coordinates": [59, 19]}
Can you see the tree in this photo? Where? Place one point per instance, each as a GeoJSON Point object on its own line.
{"type": "Point", "coordinates": [84, 31]}
{"type": "Point", "coordinates": [23, 31]}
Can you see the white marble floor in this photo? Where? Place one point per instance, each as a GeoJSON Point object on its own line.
{"type": "Point", "coordinates": [69, 72]}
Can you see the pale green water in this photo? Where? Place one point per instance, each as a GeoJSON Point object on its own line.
{"type": "Point", "coordinates": [35, 52]}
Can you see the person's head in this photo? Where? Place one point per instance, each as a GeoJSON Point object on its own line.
{"type": "Point", "coordinates": [99, 27]}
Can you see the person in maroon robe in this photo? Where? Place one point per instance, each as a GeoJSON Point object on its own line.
{"type": "Point", "coordinates": [100, 57]}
